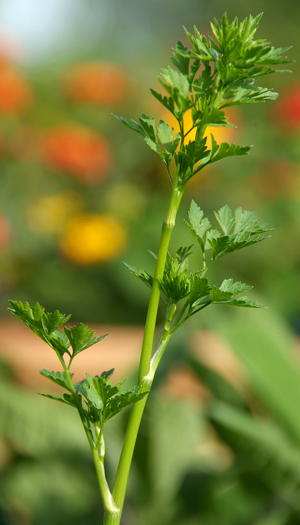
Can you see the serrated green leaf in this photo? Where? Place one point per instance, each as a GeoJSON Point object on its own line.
{"type": "Point", "coordinates": [53, 321]}
{"type": "Point", "coordinates": [199, 288]}
{"type": "Point", "coordinates": [103, 387]}
{"type": "Point", "coordinates": [93, 399]}
{"type": "Point", "coordinates": [248, 221]}
{"type": "Point", "coordinates": [243, 91]}
{"type": "Point", "coordinates": [183, 252]}
{"type": "Point", "coordinates": [32, 317]}
{"type": "Point", "coordinates": [175, 286]}
{"type": "Point", "coordinates": [40, 323]}
{"type": "Point", "coordinates": [176, 80]}
{"type": "Point", "coordinates": [165, 135]}
{"type": "Point", "coordinates": [175, 283]}
{"type": "Point", "coordinates": [225, 218]}
{"type": "Point", "coordinates": [148, 125]}
{"type": "Point", "coordinates": [59, 342]}
{"type": "Point", "coordinates": [131, 124]}
{"type": "Point", "coordinates": [217, 295]}
{"type": "Point", "coordinates": [142, 275]}
{"type": "Point", "coordinates": [234, 288]}
{"type": "Point", "coordinates": [60, 378]}
{"type": "Point", "coordinates": [167, 102]}
{"type": "Point", "coordinates": [228, 292]}
{"type": "Point", "coordinates": [81, 338]}
{"type": "Point", "coordinates": [198, 224]}
{"type": "Point", "coordinates": [216, 117]}
{"type": "Point", "coordinates": [67, 399]}
{"type": "Point", "coordinates": [193, 152]}
{"type": "Point", "coordinates": [219, 244]}
{"type": "Point", "coordinates": [222, 151]}
{"type": "Point", "coordinates": [107, 374]}
{"type": "Point", "coordinates": [181, 59]}
{"type": "Point", "coordinates": [244, 302]}
{"type": "Point", "coordinates": [122, 400]}
{"type": "Point", "coordinates": [202, 84]}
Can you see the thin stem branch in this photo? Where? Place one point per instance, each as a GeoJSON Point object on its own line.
{"type": "Point", "coordinates": [108, 502]}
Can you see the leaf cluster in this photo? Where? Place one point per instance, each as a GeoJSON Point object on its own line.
{"type": "Point", "coordinates": [217, 72]}
{"type": "Point", "coordinates": [238, 230]}
{"type": "Point", "coordinates": [100, 401]}
{"type": "Point", "coordinates": [70, 341]}
{"type": "Point", "coordinates": [94, 397]}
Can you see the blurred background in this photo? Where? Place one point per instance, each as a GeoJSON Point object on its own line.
{"type": "Point", "coordinates": [220, 440]}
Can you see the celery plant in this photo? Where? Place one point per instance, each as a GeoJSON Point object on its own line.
{"type": "Point", "coordinates": [217, 72]}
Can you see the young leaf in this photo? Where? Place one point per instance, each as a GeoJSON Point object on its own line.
{"type": "Point", "coordinates": [237, 288]}
{"type": "Point", "coordinates": [222, 151]}
{"type": "Point", "coordinates": [225, 218]}
{"type": "Point", "coordinates": [165, 135]}
{"type": "Point", "coordinates": [176, 80]}
{"type": "Point", "coordinates": [67, 399]}
{"type": "Point", "coordinates": [198, 224]}
{"type": "Point", "coordinates": [123, 399]}
{"type": "Point", "coordinates": [42, 324]}
{"type": "Point", "coordinates": [32, 317]}
{"type": "Point", "coordinates": [60, 378]}
{"type": "Point", "coordinates": [241, 229]}
{"type": "Point", "coordinates": [142, 275]}
{"type": "Point", "coordinates": [81, 338]}
{"type": "Point", "coordinates": [243, 302]}
{"type": "Point", "coordinates": [53, 321]}
{"type": "Point", "coordinates": [181, 59]}
{"type": "Point", "coordinates": [148, 125]}
{"type": "Point", "coordinates": [183, 252]}
{"type": "Point", "coordinates": [199, 289]}
{"type": "Point", "coordinates": [228, 292]}
{"type": "Point", "coordinates": [175, 285]}
{"type": "Point", "coordinates": [167, 102]}
{"type": "Point", "coordinates": [131, 124]}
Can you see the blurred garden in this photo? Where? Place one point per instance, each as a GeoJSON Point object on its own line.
{"type": "Point", "coordinates": [220, 439]}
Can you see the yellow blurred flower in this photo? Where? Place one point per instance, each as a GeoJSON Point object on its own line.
{"type": "Point", "coordinates": [93, 238]}
{"type": "Point", "coordinates": [49, 215]}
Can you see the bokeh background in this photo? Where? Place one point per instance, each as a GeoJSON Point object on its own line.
{"type": "Point", "coordinates": [220, 440]}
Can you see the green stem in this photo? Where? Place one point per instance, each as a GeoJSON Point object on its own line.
{"type": "Point", "coordinates": [145, 361]}
{"type": "Point", "coordinates": [109, 505]}
{"type": "Point", "coordinates": [167, 229]}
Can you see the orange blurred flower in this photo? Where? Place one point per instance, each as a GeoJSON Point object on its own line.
{"type": "Point", "coordinates": [78, 151]}
{"type": "Point", "coordinates": [93, 238]}
{"type": "Point", "coordinates": [97, 83]}
{"type": "Point", "coordinates": [287, 109]}
{"type": "Point", "coordinates": [15, 92]}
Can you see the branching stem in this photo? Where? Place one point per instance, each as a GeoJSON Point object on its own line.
{"type": "Point", "coordinates": [145, 362]}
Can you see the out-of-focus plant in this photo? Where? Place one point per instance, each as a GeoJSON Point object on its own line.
{"type": "Point", "coordinates": [96, 83]}
{"type": "Point", "coordinates": [78, 151]}
{"type": "Point", "coordinates": [93, 238]}
{"type": "Point", "coordinates": [214, 74]}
